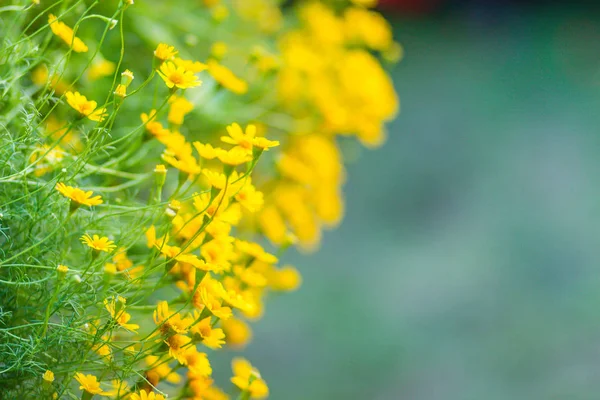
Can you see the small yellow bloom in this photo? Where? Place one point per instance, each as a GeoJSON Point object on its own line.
{"type": "Point", "coordinates": [169, 322]}
{"type": "Point", "coordinates": [238, 137]}
{"type": "Point", "coordinates": [61, 30]}
{"type": "Point", "coordinates": [264, 143]}
{"type": "Point", "coordinates": [165, 52]}
{"type": "Point", "coordinates": [235, 156]}
{"type": "Point", "coordinates": [226, 78]}
{"type": "Point", "coordinates": [121, 91]}
{"type": "Point", "coordinates": [89, 383]}
{"type": "Point", "coordinates": [206, 151]}
{"type": "Point", "coordinates": [250, 198]}
{"type": "Point", "coordinates": [79, 196]}
{"type": "Point", "coordinates": [211, 337]}
{"type": "Point", "coordinates": [179, 77]}
{"type": "Point", "coordinates": [62, 271]}
{"type": "Point", "coordinates": [48, 376]}
{"type": "Point", "coordinates": [101, 69]}
{"type": "Point", "coordinates": [237, 332]}
{"type": "Point", "coordinates": [143, 395]}
{"type": "Point", "coordinates": [179, 108]}
{"type": "Point", "coordinates": [218, 50]}
{"type": "Point", "coordinates": [193, 66]}
{"type": "Point", "coordinates": [285, 279]}
{"type": "Point", "coordinates": [116, 308]}
{"type": "Point", "coordinates": [248, 379]}
{"type": "Point", "coordinates": [98, 243]}
{"type": "Point", "coordinates": [85, 107]}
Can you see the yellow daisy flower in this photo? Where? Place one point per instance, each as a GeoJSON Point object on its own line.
{"type": "Point", "coordinates": [98, 243]}
{"type": "Point", "coordinates": [235, 156]}
{"type": "Point", "coordinates": [48, 376]}
{"type": "Point", "coordinates": [165, 52]}
{"type": "Point", "coordinates": [179, 77]}
{"type": "Point", "coordinates": [117, 312]}
{"type": "Point", "coordinates": [61, 30]}
{"type": "Point", "coordinates": [143, 395]}
{"type": "Point", "coordinates": [89, 383]}
{"type": "Point", "coordinates": [226, 78]}
{"type": "Point", "coordinates": [78, 196]}
{"type": "Point", "coordinates": [248, 379]}
{"type": "Point", "coordinates": [85, 107]}
{"type": "Point", "coordinates": [238, 137]}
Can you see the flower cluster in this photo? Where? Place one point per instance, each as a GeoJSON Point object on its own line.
{"type": "Point", "coordinates": [147, 227]}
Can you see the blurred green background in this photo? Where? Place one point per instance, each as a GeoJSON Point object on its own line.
{"type": "Point", "coordinates": [467, 265]}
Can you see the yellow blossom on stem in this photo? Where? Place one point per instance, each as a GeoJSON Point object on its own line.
{"type": "Point", "coordinates": [178, 77]}
{"type": "Point", "coordinates": [165, 52]}
{"type": "Point", "coordinates": [64, 32]}
{"type": "Point", "coordinates": [101, 69]}
{"type": "Point", "coordinates": [238, 137]}
{"type": "Point", "coordinates": [226, 78]}
{"type": "Point", "coordinates": [206, 151]}
{"type": "Point", "coordinates": [89, 383]}
{"type": "Point", "coordinates": [116, 308]}
{"type": "Point", "coordinates": [248, 379]}
{"type": "Point", "coordinates": [86, 108]}
{"type": "Point", "coordinates": [143, 395]}
{"type": "Point", "coordinates": [78, 197]}
{"type": "Point", "coordinates": [237, 332]}
{"type": "Point", "coordinates": [169, 322]}
{"type": "Point", "coordinates": [233, 157]}
{"type": "Point", "coordinates": [48, 376]}
{"type": "Point", "coordinates": [98, 243]}
{"type": "Point", "coordinates": [211, 337]}
{"type": "Point", "coordinates": [193, 66]}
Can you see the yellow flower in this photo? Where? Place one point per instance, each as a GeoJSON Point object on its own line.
{"type": "Point", "coordinates": [48, 376]}
{"type": "Point", "coordinates": [197, 363]}
{"type": "Point", "coordinates": [264, 143]}
{"type": "Point", "coordinates": [218, 50]}
{"type": "Point", "coordinates": [212, 303]}
{"type": "Point", "coordinates": [98, 243]}
{"type": "Point", "coordinates": [238, 137]}
{"type": "Point", "coordinates": [226, 78]}
{"type": "Point", "coordinates": [116, 308]}
{"type": "Point", "coordinates": [126, 77]}
{"type": "Point", "coordinates": [85, 107]}
{"type": "Point", "coordinates": [256, 251]}
{"type": "Point", "coordinates": [250, 198]}
{"type": "Point", "coordinates": [237, 332]}
{"type": "Point", "coordinates": [285, 279]}
{"type": "Point", "coordinates": [179, 77]}
{"type": "Point", "coordinates": [154, 127]}
{"type": "Point", "coordinates": [211, 337]}
{"type": "Point", "coordinates": [193, 66]}
{"type": "Point", "coordinates": [143, 395]}
{"type": "Point", "coordinates": [165, 52]}
{"type": "Point", "coordinates": [61, 30]}
{"type": "Point", "coordinates": [89, 383]}
{"type": "Point", "coordinates": [121, 91]}
{"type": "Point", "coordinates": [248, 379]}
{"type": "Point", "coordinates": [77, 195]}
{"type": "Point", "coordinates": [180, 107]}
{"type": "Point", "coordinates": [206, 151]}
{"type": "Point", "coordinates": [235, 156]}
{"type": "Point", "coordinates": [100, 69]}
{"type": "Point", "coordinates": [170, 322]}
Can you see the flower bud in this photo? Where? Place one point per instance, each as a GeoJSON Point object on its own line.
{"type": "Point", "coordinates": [160, 175]}
{"type": "Point", "coordinates": [61, 271]}
{"type": "Point", "coordinates": [126, 77]}
{"type": "Point", "coordinates": [121, 91]}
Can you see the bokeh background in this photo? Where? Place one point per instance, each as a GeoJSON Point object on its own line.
{"type": "Point", "coordinates": [467, 266]}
